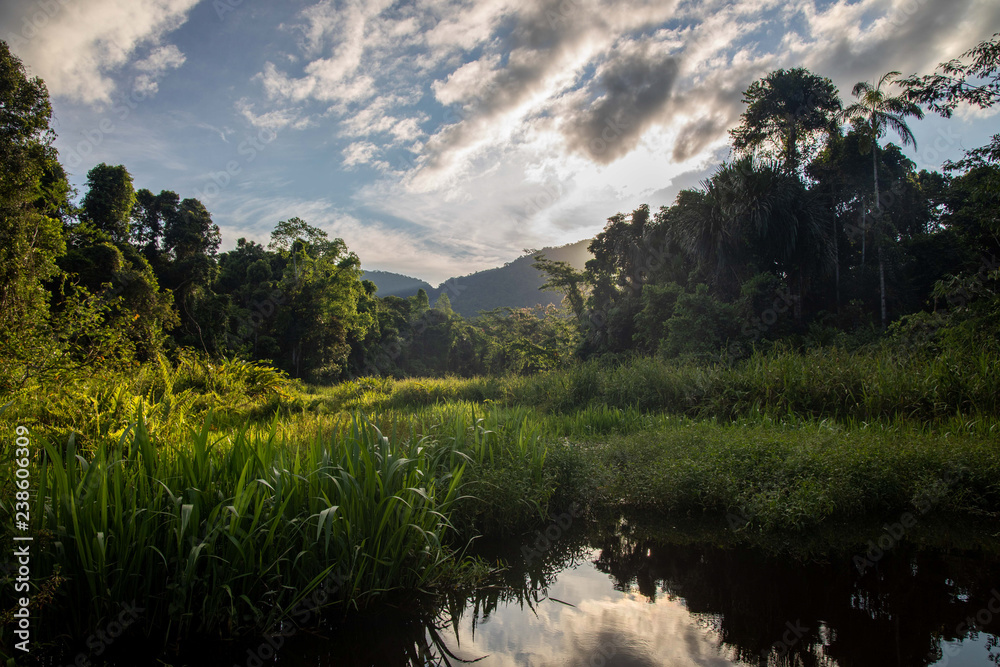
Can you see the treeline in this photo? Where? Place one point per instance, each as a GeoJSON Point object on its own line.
{"type": "Point", "coordinates": [813, 234]}
{"type": "Point", "coordinates": [125, 275]}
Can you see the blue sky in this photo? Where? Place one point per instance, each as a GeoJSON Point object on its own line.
{"type": "Point", "coordinates": [441, 137]}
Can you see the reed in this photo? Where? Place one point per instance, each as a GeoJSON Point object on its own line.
{"type": "Point", "coordinates": [224, 534]}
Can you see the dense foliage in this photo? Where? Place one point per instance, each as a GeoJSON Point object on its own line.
{"type": "Point", "coordinates": [162, 380]}
{"type": "Point", "coordinates": [815, 233]}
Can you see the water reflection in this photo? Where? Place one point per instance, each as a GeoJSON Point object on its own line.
{"type": "Point", "coordinates": [586, 622]}
{"type": "Point", "coordinates": [771, 610]}
{"type": "Point", "coordinates": [634, 597]}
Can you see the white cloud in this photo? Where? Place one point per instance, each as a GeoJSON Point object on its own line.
{"type": "Point", "coordinates": [468, 82]}
{"type": "Point", "coordinates": [271, 120]}
{"type": "Point", "coordinates": [360, 152]}
{"type": "Point", "coordinates": [516, 122]}
{"type": "Point", "coordinates": [585, 622]}
{"type": "Point", "coordinates": [77, 48]}
{"type": "Point", "coordinates": [476, 115]}
{"type": "Point", "coordinates": [160, 61]}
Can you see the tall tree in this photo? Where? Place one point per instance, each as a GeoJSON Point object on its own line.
{"type": "Point", "coordinates": [617, 273]}
{"type": "Point", "coordinates": [842, 179]}
{"type": "Point", "coordinates": [876, 112]}
{"type": "Point", "coordinates": [33, 198]}
{"type": "Point", "coordinates": [787, 113]}
{"type": "Point", "coordinates": [150, 217]}
{"type": "Point", "coordinates": [562, 277]}
{"type": "Point", "coordinates": [190, 243]}
{"type": "Point", "coordinates": [322, 290]}
{"type": "Point", "coordinates": [107, 206]}
{"type": "Point", "coordinates": [287, 232]}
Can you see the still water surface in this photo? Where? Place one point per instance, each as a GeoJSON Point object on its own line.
{"type": "Point", "coordinates": [634, 597]}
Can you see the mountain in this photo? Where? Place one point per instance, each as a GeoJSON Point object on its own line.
{"type": "Point", "coordinates": [513, 285]}
{"type": "Point", "coordinates": [396, 284]}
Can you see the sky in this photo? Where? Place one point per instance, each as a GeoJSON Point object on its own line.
{"type": "Point", "coordinates": [442, 137]}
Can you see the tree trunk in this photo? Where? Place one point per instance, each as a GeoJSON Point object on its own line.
{"type": "Point", "coordinates": [881, 283]}
{"type": "Point", "coordinates": [798, 300]}
{"type": "Point", "coordinates": [878, 235]}
{"type": "Point", "coordinates": [836, 260]}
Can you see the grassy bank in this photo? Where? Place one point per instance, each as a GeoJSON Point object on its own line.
{"type": "Point", "coordinates": [225, 497]}
{"type": "Point", "coordinates": [880, 384]}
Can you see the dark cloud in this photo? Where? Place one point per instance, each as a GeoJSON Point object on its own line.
{"type": "Point", "coordinates": [633, 89]}
{"type": "Point", "coordinates": [539, 38]}
{"type": "Point", "coordinates": [710, 109]}
{"type": "Point", "coordinates": [695, 136]}
{"type": "Point", "coordinates": [919, 32]}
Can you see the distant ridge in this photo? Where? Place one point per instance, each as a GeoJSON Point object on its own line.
{"type": "Point", "coordinates": [513, 285]}
{"type": "Point", "coordinates": [396, 284]}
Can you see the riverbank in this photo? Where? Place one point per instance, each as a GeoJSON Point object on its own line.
{"type": "Point", "coordinates": [263, 501]}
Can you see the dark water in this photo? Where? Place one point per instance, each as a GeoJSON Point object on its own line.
{"type": "Point", "coordinates": [631, 594]}
{"type": "Point", "coordinates": [642, 596]}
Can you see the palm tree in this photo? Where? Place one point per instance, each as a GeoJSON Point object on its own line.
{"type": "Point", "coordinates": [876, 112]}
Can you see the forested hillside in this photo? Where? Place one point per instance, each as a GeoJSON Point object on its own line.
{"type": "Point", "coordinates": [396, 284]}
{"type": "Point", "coordinates": [516, 284]}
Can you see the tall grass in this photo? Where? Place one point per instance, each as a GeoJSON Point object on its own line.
{"type": "Point", "coordinates": [219, 496]}
{"type": "Point", "coordinates": [221, 534]}
{"type": "Point", "coordinates": [175, 395]}
{"type": "Point", "coordinates": [861, 385]}
{"type": "Point", "coordinates": [781, 477]}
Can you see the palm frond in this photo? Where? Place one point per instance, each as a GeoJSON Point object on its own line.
{"type": "Point", "coordinates": [902, 129]}
{"type": "Point", "coordinates": [861, 88]}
